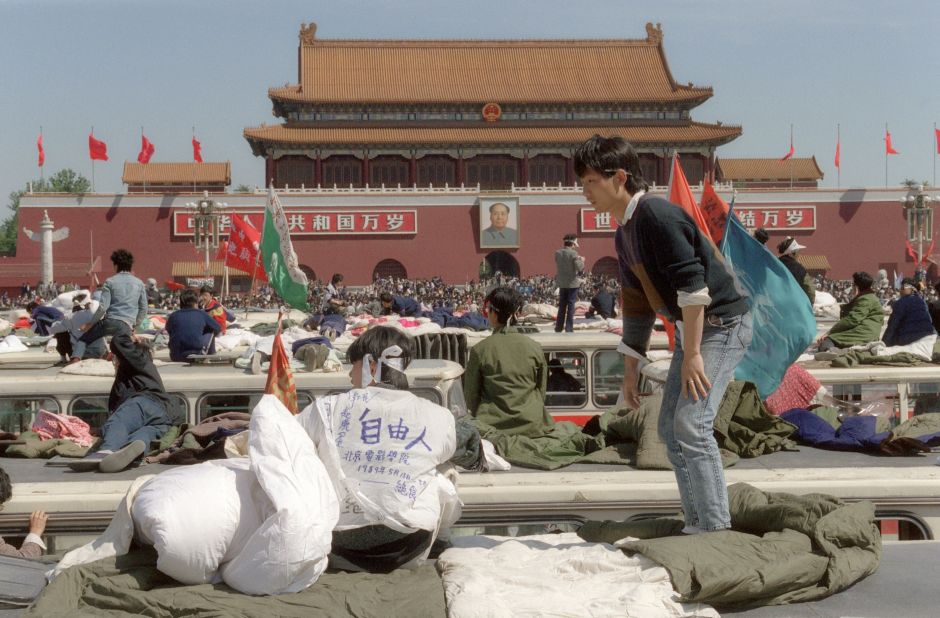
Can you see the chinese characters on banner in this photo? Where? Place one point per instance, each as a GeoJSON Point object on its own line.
{"type": "Point", "coordinates": [782, 218]}
{"type": "Point", "coordinates": [319, 222]}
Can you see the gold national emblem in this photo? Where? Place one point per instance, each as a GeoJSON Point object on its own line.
{"type": "Point", "coordinates": [492, 112]}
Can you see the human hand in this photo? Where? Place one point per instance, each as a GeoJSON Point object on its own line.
{"type": "Point", "coordinates": [631, 393]}
{"type": "Point", "coordinates": [37, 522]}
{"type": "Point", "coordinates": [695, 383]}
{"type": "Point", "coordinates": [85, 327]}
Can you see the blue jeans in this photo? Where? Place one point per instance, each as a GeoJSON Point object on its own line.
{"type": "Point", "coordinates": [565, 318]}
{"type": "Point", "coordinates": [139, 418]}
{"type": "Point", "coordinates": [102, 328]}
{"type": "Point", "coordinates": [687, 426]}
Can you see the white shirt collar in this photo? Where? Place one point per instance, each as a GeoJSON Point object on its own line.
{"type": "Point", "coordinates": [631, 207]}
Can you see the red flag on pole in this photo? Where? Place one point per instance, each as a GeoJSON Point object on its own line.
{"type": "Point", "coordinates": [42, 151]}
{"type": "Point", "coordinates": [197, 150]}
{"type": "Point", "coordinates": [889, 149]}
{"type": "Point", "coordinates": [910, 251]}
{"type": "Point", "coordinates": [681, 194]}
{"type": "Point", "coordinates": [790, 153]}
{"type": "Point", "coordinates": [243, 247]}
{"type": "Point", "coordinates": [838, 152]}
{"type": "Point", "coordinates": [715, 210]}
{"type": "Point", "coordinates": [146, 150]}
{"type": "Point", "coordinates": [280, 381]}
{"type": "Point", "coordinates": [927, 255]}
{"type": "Point", "coordinates": [937, 132]}
{"type": "Point", "coordinates": [97, 150]}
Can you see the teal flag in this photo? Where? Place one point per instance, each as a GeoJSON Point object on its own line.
{"type": "Point", "coordinates": [784, 325]}
{"type": "Point", "coordinates": [277, 253]}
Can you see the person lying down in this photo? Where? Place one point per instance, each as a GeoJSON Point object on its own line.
{"type": "Point", "coordinates": [361, 479]}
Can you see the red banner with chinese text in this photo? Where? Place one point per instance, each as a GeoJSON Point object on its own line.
{"type": "Point", "coordinates": [319, 222]}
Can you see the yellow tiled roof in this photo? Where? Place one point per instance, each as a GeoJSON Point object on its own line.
{"type": "Point", "coordinates": [813, 262]}
{"type": "Point", "coordinates": [489, 134]}
{"type": "Point", "coordinates": [177, 173]}
{"type": "Point", "coordinates": [483, 71]}
{"type": "Point", "coordinates": [802, 168]}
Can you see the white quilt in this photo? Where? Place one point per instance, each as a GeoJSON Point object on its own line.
{"type": "Point", "coordinates": [556, 575]}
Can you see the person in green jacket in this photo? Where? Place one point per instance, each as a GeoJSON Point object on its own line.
{"type": "Point", "coordinates": [862, 318]}
{"type": "Point", "coordinates": [506, 376]}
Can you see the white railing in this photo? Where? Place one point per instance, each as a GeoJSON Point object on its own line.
{"type": "Point", "coordinates": [447, 189]}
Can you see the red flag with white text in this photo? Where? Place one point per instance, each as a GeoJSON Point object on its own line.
{"type": "Point", "coordinates": [97, 149]}
{"type": "Point", "coordinates": [716, 211]}
{"type": "Point", "coordinates": [243, 248]}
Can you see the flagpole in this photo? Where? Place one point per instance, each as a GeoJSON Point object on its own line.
{"type": "Point", "coordinates": [43, 166]}
{"type": "Point", "coordinates": [194, 177]}
{"type": "Point", "coordinates": [790, 160]}
{"type": "Point", "coordinates": [886, 155]}
{"type": "Point", "coordinates": [92, 164]}
{"type": "Point", "coordinates": [145, 167]}
{"type": "Point", "coordinates": [839, 146]}
{"type": "Point", "coordinates": [936, 147]}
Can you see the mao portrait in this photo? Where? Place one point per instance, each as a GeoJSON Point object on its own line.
{"type": "Point", "coordinates": [499, 222]}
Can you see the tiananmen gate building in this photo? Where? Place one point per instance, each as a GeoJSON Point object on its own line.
{"type": "Point", "coordinates": [399, 157]}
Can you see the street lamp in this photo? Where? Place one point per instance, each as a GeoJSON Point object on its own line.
{"type": "Point", "coordinates": [919, 207]}
{"type": "Point", "coordinates": [207, 218]}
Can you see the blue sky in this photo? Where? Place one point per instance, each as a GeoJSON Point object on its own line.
{"type": "Point", "coordinates": [169, 65]}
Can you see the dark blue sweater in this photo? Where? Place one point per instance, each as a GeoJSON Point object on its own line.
{"type": "Point", "coordinates": [909, 321]}
{"type": "Point", "coordinates": [186, 328]}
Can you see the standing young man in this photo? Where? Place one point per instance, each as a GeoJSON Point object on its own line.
{"type": "Point", "coordinates": [668, 266]}
{"type": "Point", "coordinates": [123, 304]}
{"type": "Point", "coordinates": [568, 266]}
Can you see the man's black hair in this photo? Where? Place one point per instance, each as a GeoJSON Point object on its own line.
{"type": "Point", "coordinates": [375, 341]}
{"type": "Point", "coordinates": [605, 155]}
{"type": "Point", "coordinates": [189, 298]}
{"type": "Point", "coordinates": [503, 204]}
{"type": "Point", "coordinates": [385, 297]}
{"type": "Point", "coordinates": [6, 486]}
{"type": "Point", "coordinates": [761, 235]}
{"type": "Point", "coordinates": [123, 260]}
{"type": "Point", "coordinates": [505, 302]}
{"type": "Point", "coordinates": [32, 305]}
{"type": "Point", "coordinates": [336, 278]}
{"type": "Point", "coordinates": [207, 289]}
{"type": "Point", "coordinates": [863, 281]}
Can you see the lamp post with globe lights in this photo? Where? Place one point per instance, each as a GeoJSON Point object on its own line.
{"type": "Point", "coordinates": [207, 223]}
{"type": "Point", "coordinates": [919, 208]}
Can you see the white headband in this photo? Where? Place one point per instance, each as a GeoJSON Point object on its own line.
{"type": "Point", "coordinates": [391, 356]}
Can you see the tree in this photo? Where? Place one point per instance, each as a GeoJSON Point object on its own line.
{"type": "Point", "coordinates": [63, 181]}
{"type": "Point", "coordinates": [243, 188]}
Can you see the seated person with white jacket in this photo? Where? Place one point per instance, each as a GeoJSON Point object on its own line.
{"type": "Point", "coordinates": [382, 447]}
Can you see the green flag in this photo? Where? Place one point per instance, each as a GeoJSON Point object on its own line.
{"type": "Point", "coordinates": [280, 261]}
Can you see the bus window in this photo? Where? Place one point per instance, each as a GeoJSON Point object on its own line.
{"type": "Point", "coordinates": [566, 380]}
{"type": "Point", "coordinates": [428, 393]}
{"type": "Point", "coordinates": [608, 377]}
{"type": "Point", "coordinates": [16, 415]}
{"type": "Point", "coordinates": [455, 399]}
{"type": "Point", "coordinates": [210, 405]}
{"type": "Point", "coordinates": [923, 398]}
{"type": "Point", "coordinates": [94, 409]}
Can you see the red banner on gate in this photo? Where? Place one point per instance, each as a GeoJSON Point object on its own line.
{"type": "Point", "coordinates": [319, 222]}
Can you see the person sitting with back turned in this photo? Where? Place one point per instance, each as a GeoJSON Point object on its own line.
{"type": "Point", "coordinates": [32, 546]}
{"type": "Point", "coordinates": [860, 320]}
{"type": "Point", "coordinates": [560, 380]}
{"type": "Point", "coordinates": [141, 410]}
{"type": "Point", "coordinates": [386, 520]}
{"type": "Point", "coordinates": [123, 302]}
{"type": "Point", "coordinates": [507, 377]}
{"type": "Point", "coordinates": [602, 303]}
{"type": "Point", "coordinates": [909, 327]}
{"type": "Point", "coordinates": [190, 328]}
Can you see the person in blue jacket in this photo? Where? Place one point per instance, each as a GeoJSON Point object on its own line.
{"type": "Point", "coordinates": [191, 329]}
{"type": "Point", "coordinates": [910, 318]}
{"type": "Point", "coordinates": [402, 305]}
{"type": "Point", "coordinates": [43, 316]}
